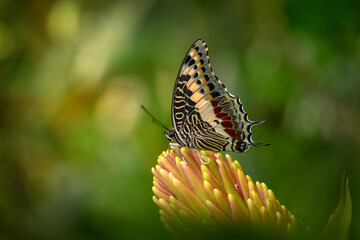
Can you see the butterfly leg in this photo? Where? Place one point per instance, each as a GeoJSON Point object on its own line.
{"type": "Point", "coordinates": [168, 152]}
{"type": "Point", "coordinates": [194, 149]}
{"type": "Point", "coordinates": [178, 148]}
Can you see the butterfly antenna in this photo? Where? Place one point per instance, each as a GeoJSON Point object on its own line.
{"type": "Point", "coordinates": [154, 119]}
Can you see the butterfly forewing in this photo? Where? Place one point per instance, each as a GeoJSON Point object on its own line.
{"type": "Point", "coordinates": [204, 111]}
{"type": "Point", "coordinates": [188, 72]}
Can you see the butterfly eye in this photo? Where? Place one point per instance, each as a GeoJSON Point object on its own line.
{"type": "Point", "coordinates": [169, 135]}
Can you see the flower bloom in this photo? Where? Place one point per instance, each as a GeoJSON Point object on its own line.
{"type": "Point", "coordinates": [213, 195]}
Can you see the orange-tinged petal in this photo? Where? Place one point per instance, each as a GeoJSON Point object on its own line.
{"type": "Point", "coordinates": [170, 166]}
{"type": "Point", "coordinates": [161, 187]}
{"type": "Point", "coordinates": [194, 181]}
{"type": "Point", "coordinates": [270, 209]}
{"type": "Point", "coordinates": [219, 215]}
{"type": "Point", "coordinates": [160, 194]}
{"type": "Point", "coordinates": [189, 158]}
{"type": "Point", "coordinates": [254, 212]}
{"type": "Point", "coordinates": [257, 200]}
{"type": "Point", "coordinates": [209, 190]}
{"type": "Point", "coordinates": [209, 176]}
{"type": "Point", "coordinates": [183, 207]}
{"type": "Point", "coordinates": [190, 199]}
{"type": "Point", "coordinates": [251, 187]}
{"type": "Point", "coordinates": [196, 195]}
{"type": "Point", "coordinates": [237, 213]}
{"type": "Point", "coordinates": [213, 166]}
{"type": "Point", "coordinates": [226, 178]}
{"type": "Point", "coordinates": [243, 184]}
{"type": "Point", "coordinates": [229, 184]}
{"type": "Point", "coordinates": [221, 201]}
{"type": "Point", "coordinates": [265, 191]}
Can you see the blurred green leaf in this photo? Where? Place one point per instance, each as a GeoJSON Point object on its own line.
{"type": "Point", "coordinates": [338, 225]}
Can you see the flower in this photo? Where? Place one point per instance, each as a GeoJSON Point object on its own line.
{"type": "Point", "coordinates": [213, 196]}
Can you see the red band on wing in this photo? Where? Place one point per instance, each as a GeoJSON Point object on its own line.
{"type": "Point", "coordinates": [222, 115]}
{"type": "Point", "coordinates": [227, 124]}
{"type": "Point", "coordinates": [217, 110]}
{"type": "Point", "coordinates": [214, 103]}
{"type": "Point", "coordinates": [226, 118]}
{"type": "Point", "coordinates": [231, 132]}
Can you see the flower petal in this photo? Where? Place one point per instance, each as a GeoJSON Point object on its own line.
{"type": "Point", "coordinates": [219, 215]}
{"type": "Point", "coordinates": [221, 201]}
{"type": "Point", "coordinates": [197, 196]}
{"type": "Point", "coordinates": [237, 213]}
{"type": "Point", "coordinates": [190, 199]}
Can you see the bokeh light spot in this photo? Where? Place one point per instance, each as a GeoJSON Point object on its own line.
{"type": "Point", "coordinates": [63, 20]}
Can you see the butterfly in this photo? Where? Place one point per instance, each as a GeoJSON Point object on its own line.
{"type": "Point", "coordinates": [205, 116]}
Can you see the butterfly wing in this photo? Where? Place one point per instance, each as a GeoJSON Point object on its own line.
{"type": "Point", "coordinates": [221, 124]}
{"type": "Point", "coordinates": [180, 105]}
{"type": "Point", "coordinates": [203, 109]}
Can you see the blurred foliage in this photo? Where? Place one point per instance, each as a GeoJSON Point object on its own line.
{"type": "Point", "coordinates": [338, 226]}
{"type": "Point", "coordinates": [76, 150]}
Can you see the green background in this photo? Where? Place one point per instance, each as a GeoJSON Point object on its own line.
{"type": "Point", "coordinates": [76, 150]}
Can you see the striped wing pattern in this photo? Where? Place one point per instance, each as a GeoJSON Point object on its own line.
{"type": "Point", "coordinates": [204, 113]}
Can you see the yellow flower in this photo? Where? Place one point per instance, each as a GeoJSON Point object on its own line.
{"type": "Point", "coordinates": [214, 196]}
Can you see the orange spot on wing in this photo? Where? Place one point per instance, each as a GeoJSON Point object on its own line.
{"type": "Point", "coordinates": [194, 87]}
{"type": "Point", "coordinates": [196, 97]}
{"type": "Point", "coordinates": [206, 88]}
{"type": "Point", "coordinates": [190, 82]}
{"type": "Point", "coordinates": [191, 72]}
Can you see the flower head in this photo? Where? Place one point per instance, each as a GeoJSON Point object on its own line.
{"type": "Point", "coordinates": [213, 195]}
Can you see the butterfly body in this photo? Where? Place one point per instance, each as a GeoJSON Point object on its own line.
{"type": "Point", "coordinates": [204, 114]}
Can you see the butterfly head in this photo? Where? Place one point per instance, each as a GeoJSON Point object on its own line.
{"type": "Point", "coordinates": [170, 134]}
